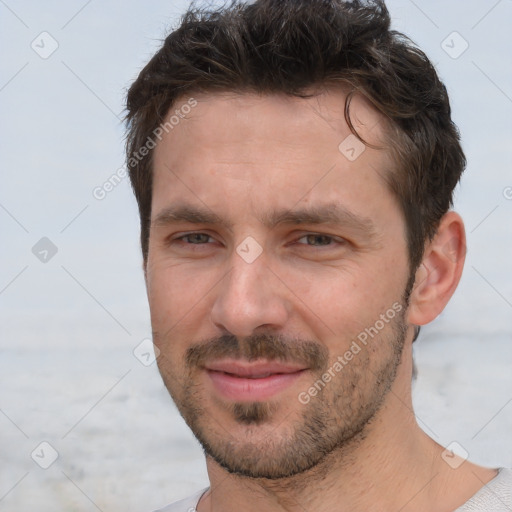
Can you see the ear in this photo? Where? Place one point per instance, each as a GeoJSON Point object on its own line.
{"type": "Point", "coordinates": [439, 273]}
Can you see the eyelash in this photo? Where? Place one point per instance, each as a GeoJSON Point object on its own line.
{"type": "Point", "coordinates": [321, 235]}
{"type": "Point", "coordinates": [182, 237]}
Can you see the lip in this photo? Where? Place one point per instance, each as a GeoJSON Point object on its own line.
{"type": "Point", "coordinates": [257, 381]}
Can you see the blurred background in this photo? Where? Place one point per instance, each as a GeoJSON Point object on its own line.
{"type": "Point", "coordinates": [85, 422]}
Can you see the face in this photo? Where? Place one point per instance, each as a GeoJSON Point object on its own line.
{"type": "Point", "coordinates": [276, 277]}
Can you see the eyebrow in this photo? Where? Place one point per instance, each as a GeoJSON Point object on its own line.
{"type": "Point", "coordinates": [331, 213]}
{"type": "Point", "coordinates": [192, 214]}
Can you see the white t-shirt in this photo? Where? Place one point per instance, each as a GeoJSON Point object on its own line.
{"type": "Point", "coordinates": [496, 496]}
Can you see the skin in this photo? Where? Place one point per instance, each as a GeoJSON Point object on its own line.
{"type": "Point", "coordinates": [241, 158]}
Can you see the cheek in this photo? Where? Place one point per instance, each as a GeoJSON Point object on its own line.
{"type": "Point", "coordinates": [344, 300]}
{"type": "Point", "coordinates": [179, 298]}
{"type": "Point", "coordinates": [168, 296]}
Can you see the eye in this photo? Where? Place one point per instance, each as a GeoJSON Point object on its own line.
{"type": "Point", "coordinates": [319, 240]}
{"type": "Point", "coordinates": [195, 238]}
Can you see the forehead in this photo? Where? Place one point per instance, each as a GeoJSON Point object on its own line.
{"type": "Point", "coordinates": [244, 118]}
{"type": "Point", "coordinates": [275, 150]}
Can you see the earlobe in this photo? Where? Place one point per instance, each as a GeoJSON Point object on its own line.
{"type": "Point", "coordinates": [439, 273]}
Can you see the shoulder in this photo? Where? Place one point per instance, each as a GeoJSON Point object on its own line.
{"type": "Point", "coordinates": [186, 505]}
{"type": "Point", "coordinates": [495, 496]}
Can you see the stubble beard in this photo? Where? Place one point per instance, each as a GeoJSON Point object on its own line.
{"type": "Point", "coordinates": [333, 421]}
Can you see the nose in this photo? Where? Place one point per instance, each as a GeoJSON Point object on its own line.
{"type": "Point", "coordinates": [248, 298]}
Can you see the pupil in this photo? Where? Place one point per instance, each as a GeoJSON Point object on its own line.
{"type": "Point", "coordinates": [198, 238]}
{"type": "Point", "coordinates": [318, 240]}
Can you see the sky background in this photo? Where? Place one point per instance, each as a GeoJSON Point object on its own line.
{"type": "Point", "coordinates": [71, 321]}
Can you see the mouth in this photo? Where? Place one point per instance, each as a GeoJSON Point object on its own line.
{"type": "Point", "coordinates": [244, 381]}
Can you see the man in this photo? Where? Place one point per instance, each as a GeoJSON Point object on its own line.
{"type": "Point", "coordinates": [294, 163]}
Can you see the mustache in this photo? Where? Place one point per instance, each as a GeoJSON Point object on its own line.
{"type": "Point", "coordinates": [259, 346]}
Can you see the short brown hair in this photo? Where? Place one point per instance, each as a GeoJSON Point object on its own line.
{"type": "Point", "coordinates": [292, 47]}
